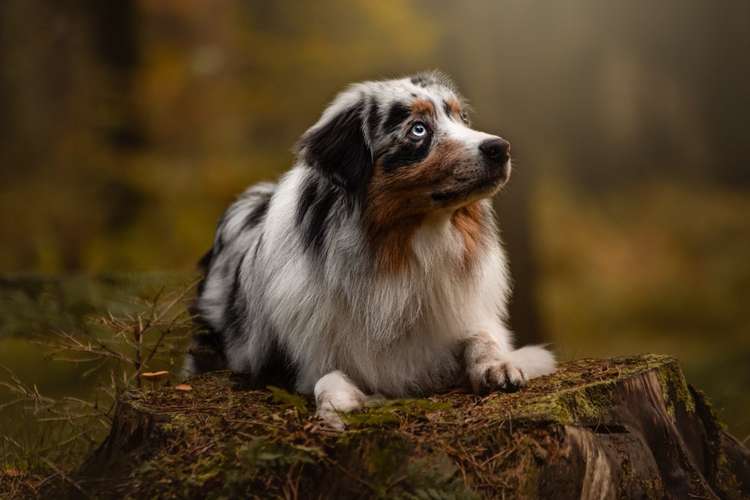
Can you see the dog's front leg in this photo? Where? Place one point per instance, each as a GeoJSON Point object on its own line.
{"type": "Point", "coordinates": [335, 393]}
{"type": "Point", "coordinates": [491, 364]}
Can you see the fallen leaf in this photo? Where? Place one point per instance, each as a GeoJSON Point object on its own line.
{"type": "Point", "coordinates": [12, 472]}
{"type": "Point", "coordinates": [183, 387]}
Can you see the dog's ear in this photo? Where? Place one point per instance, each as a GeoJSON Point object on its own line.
{"type": "Point", "coordinates": [337, 145]}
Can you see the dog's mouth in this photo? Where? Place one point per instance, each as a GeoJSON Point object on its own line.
{"type": "Point", "coordinates": [468, 190]}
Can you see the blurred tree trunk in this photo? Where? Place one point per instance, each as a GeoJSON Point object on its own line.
{"type": "Point", "coordinates": [114, 26]}
{"type": "Point", "coordinates": [482, 80]}
{"type": "Point", "coordinates": [513, 209]}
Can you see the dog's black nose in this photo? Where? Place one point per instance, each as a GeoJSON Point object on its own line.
{"type": "Point", "coordinates": [496, 150]}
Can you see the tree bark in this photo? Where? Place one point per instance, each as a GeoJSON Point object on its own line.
{"type": "Point", "coordinates": [613, 428]}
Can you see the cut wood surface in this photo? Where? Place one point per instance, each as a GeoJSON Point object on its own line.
{"type": "Point", "coordinates": [612, 428]}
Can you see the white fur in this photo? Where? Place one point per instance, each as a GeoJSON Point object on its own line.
{"type": "Point", "coordinates": [535, 361]}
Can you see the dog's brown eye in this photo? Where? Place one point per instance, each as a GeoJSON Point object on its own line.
{"type": "Point", "coordinates": [418, 130]}
{"type": "Point", "coordinates": [464, 117]}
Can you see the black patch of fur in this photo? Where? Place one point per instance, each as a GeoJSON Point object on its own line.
{"type": "Point", "coordinates": [258, 213]}
{"type": "Point", "coordinates": [433, 78]}
{"type": "Point", "coordinates": [236, 304]}
{"type": "Point", "coordinates": [423, 80]}
{"type": "Point", "coordinates": [315, 203]}
{"type": "Point", "coordinates": [397, 114]}
{"type": "Point", "coordinates": [373, 118]}
{"type": "Point", "coordinates": [258, 244]}
{"type": "Point", "coordinates": [207, 347]}
{"type": "Point", "coordinates": [219, 241]}
{"type": "Point", "coordinates": [307, 198]}
{"type": "Point", "coordinates": [202, 327]}
{"type": "Point", "coordinates": [447, 108]}
{"type": "Point", "coordinates": [315, 234]}
{"type": "Point", "coordinates": [340, 152]}
{"type": "Point", "coordinates": [407, 153]}
{"type": "Point", "coordinates": [277, 370]}
{"type": "Point", "coordinates": [205, 262]}
{"type": "Point", "coordinates": [207, 351]}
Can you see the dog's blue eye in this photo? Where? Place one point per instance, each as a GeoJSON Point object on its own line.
{"type": "Point", "coordinates": [418, 130]}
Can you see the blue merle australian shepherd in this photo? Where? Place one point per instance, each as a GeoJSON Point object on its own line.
{"type": "Point", "coordinates": [373, 267]}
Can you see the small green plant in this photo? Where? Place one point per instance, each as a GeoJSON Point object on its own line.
{"type": "Point", "coordinates": [51, 436]}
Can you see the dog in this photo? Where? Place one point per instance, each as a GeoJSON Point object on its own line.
{"type": "Point", "coordinates": [373, 268]}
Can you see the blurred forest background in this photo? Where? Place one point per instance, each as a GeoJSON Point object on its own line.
{"type": "Point", "coordinates": [126, 127]}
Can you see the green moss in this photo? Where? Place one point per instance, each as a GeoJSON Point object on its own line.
{"type": "Point", "coordinates": [286, 400]}
{"type": "Point", "coordinates": [370, 419]}
{"type": "Point", "coordinates": [588, 401]}
{"type": "Point", "coordinates": [674, 388]}
{"type": "Point", "coordinates": [551, 408]}
{"type": "Point", "coordinates": [392, 412]}
{"type": "Point", "coordinates": [571, 406]}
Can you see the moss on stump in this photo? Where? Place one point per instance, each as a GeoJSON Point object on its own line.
{"type": "Point", "coordinates": [614, 428]}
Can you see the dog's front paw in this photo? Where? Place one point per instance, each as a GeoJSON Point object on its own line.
{"type": "Point", "coordinates": [331, 418]}
{"type": "Point", "coordinates": [497, 374]}
{"type": "Point", "coordinates": [332, 406]}
{"type": "Point", "coordinates": [336, 394]}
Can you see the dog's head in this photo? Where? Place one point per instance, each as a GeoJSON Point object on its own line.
{"type": "Point", "coordinates": [404, 153]}
{"type": "Point", "coordinates": [404, 150]}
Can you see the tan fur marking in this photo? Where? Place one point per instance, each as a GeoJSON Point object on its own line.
{"type": "Point", "coordinates": [393, 249]}
{"type": "Point", "coordinates": [468, 221]}
{"type": "Point", "coordinates": [455, 108]}
{"type": "Point", "coordinates": [406, 192]}
{"type": "Point", "coordinates": [423, 107]}
{"type": "Point", "coordinates": [398, 202]}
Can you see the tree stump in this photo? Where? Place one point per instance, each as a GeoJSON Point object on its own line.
{"type": "Point", "coordinates": [613, 428]}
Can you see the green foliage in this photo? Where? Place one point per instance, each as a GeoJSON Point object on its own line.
{"type": "Point", "coordinates": [284, 398]}
{"type": "Point", "coordinates": [389, 412]}
{"type": "Point", "coordinates": [51, 418]}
